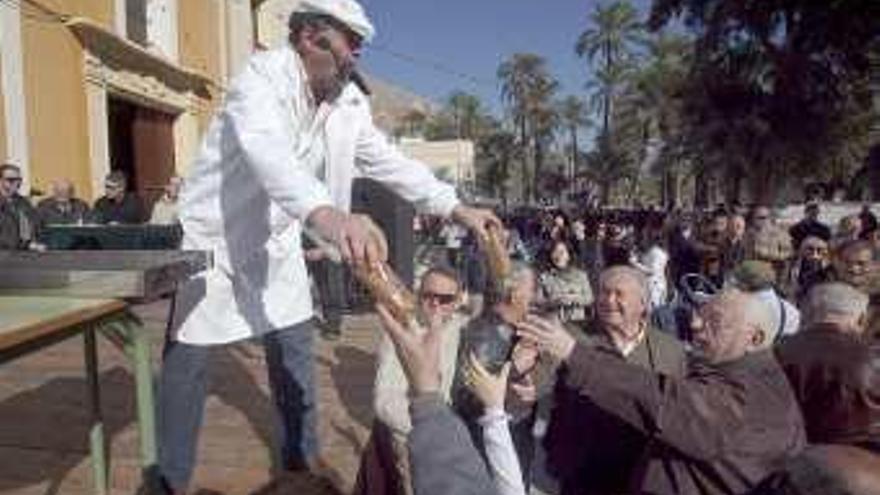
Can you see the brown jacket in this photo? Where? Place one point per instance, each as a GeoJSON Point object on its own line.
{"type": "Point", "coordinates": [836, 380]}
{"type": "Point", "coordinates": [589, 449]}
{"type": "Point", "coordinates": [719, 430]}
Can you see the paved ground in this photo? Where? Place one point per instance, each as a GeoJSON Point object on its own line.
{"type": "Point", "coordinates": [43, 419]}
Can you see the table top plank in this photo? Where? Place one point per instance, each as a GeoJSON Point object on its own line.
{"type": "Point", "coordinates": [27, 318]}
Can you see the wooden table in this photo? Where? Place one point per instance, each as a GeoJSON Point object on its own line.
{"type": "Point", "coordinates": [28, 324]}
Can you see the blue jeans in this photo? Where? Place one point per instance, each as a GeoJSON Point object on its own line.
{"type": "Point", "coordinates": [183, 389]}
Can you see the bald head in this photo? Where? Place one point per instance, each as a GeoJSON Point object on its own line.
{"type": "Point", "coordinates": [732, 324]}
{"type": "Point", "coordinates": [62, 190]}
{"type": "Point", "coordinates": [837, 305]}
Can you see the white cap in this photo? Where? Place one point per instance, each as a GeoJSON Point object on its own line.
{"type": "Point", "coordinates": [349, 12]}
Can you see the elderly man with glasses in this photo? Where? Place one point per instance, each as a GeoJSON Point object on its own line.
{"type": "Point", "coordinates": [721, 428]}
{"type": "Point", "coordinates": [439, 297]}
{"type": "Point", "coordinates": [18, 218]}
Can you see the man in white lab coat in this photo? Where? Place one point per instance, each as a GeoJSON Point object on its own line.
{"type": "Point", "coordinates": [280, 155]}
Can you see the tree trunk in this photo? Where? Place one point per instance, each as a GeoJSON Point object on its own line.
{"type": "Point", "coordinates": [575, 169]}
{"type": "Point", "coordinates": [874, 173]}
{"type": "Point", "coordinates": [506, 167]}
{"type": "Point", "coordinates": [606, 117]}
{"type": "Point", "coordinates": [539, 165]}
{"type": "Point", "coordinates": [675, 189]}
{"type": "Point", "coordinates": [525, 158]}
{"type": "Point", "coordinates": [701, 190]}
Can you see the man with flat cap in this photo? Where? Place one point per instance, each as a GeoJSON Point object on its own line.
{"type": "Point", "coordinates": [279, 157]}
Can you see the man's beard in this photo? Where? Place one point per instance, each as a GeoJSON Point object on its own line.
{"type": "Point", "coordinates": [810, 266]}
{"type": "Point", "coordinates": [328, 88]}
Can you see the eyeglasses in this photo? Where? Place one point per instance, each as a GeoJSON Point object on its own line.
{"type": "Point", "coordinates": [444, 299]}
{"type": "Point", "coordinates": [352, 39]}
{"type": "Point", "coordinates": [12, 180]}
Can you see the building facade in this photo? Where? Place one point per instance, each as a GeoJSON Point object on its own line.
{"type": "Point", "coordinates": [93, 85]}
{"type": "Point", "coordinates": [89, 86]}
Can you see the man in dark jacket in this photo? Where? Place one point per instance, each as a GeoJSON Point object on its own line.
{"type": "Point", "coordinates": [62, 208]}
{"type": "Point", "coordinates": [589, 449]}
{"type": "Point", "coordinates": [835, 375]}
{"type": "Point", "coordinates": [117, 206]}
{"type": "Point", "coordinates": [18, 218]}
{"type": "Point", "coordinates": [722, 428]}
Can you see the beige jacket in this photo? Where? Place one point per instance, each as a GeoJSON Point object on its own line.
{"type": "Point", "coordinates": [390, 400]}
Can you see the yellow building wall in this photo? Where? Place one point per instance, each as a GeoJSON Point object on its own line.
{"type": "Point", "coordinates": [201, 44]}
{"type": "Point", "coordinates": [100, 11]}
{"type": "Point", "coordinates": [57, 123]}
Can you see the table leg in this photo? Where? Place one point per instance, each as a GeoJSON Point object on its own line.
{"type": "Point", "coordinates": [96, 432]}
{"type": "Point", "coordinates": [138, 348]}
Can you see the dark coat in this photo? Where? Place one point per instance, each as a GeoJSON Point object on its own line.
{"type": "Point", "coordinates": [836, 380]}
{"type": "Point", "coordinates": [52, 212]}
{"type": "Point", "coordinates": [18, 223]}
{"type": "Point", "coordinates": [127, 211]}
{"type": "Point", "coordinates": [442, 457]}
{"type": "Point", "coordinates": [719, 430]}
{"type": "Point", "coordinates": [491, 340]}
{"type": "Point", "coordinates": [589, 449]}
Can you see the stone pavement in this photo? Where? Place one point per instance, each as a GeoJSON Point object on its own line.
{"type": "Point", "coordinates": [44, 421]}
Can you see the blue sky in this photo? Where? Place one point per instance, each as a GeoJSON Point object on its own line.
{"type": "Point", "coordinates": [472, 37]}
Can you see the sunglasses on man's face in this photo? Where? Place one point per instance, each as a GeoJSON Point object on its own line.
{"type": "Point", "coordinates": [436, 297]}
{"type": "Point", "coordinates": [352, 39]}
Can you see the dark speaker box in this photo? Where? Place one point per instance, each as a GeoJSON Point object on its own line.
{"type": "Point", "coordinates": [394, 216]}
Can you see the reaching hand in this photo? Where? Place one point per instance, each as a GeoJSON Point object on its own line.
{"type": "Point", "coordinates": [550, 338]}
{"type": "Point", "coordinates": [358, 239]}
{"type": "Point", "coordinates": [490, 389]}
{"type": "Point", "coordinates": [524, 357]}
{"type": "Point", "coordinates": [418, 352]}
{"type": "Point", "coordinates": [476, 219]}
{"type": "Point", "coordinates": [525, 390]}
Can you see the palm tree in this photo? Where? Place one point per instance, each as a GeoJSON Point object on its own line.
{"type": "Point", "coordinates": [467, 113]}
{"type": "Point", "coordinates": [544, 120]}
{"type": "Point", "coordinates": [495, 151]}
{"type": "Point", "coordinates": [527, 89]}
{"type": "Point", "coordinates": [608, 43]}
{"type": "Point", "coordinates": [648, 121]}
{"type": "Point", "coordinates": [573, 116]}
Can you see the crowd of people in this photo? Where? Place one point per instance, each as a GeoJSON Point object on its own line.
{"type": "Point", "coordinates": [647, 352]}
{"type": "Point", "coordinates": [22, 219]}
